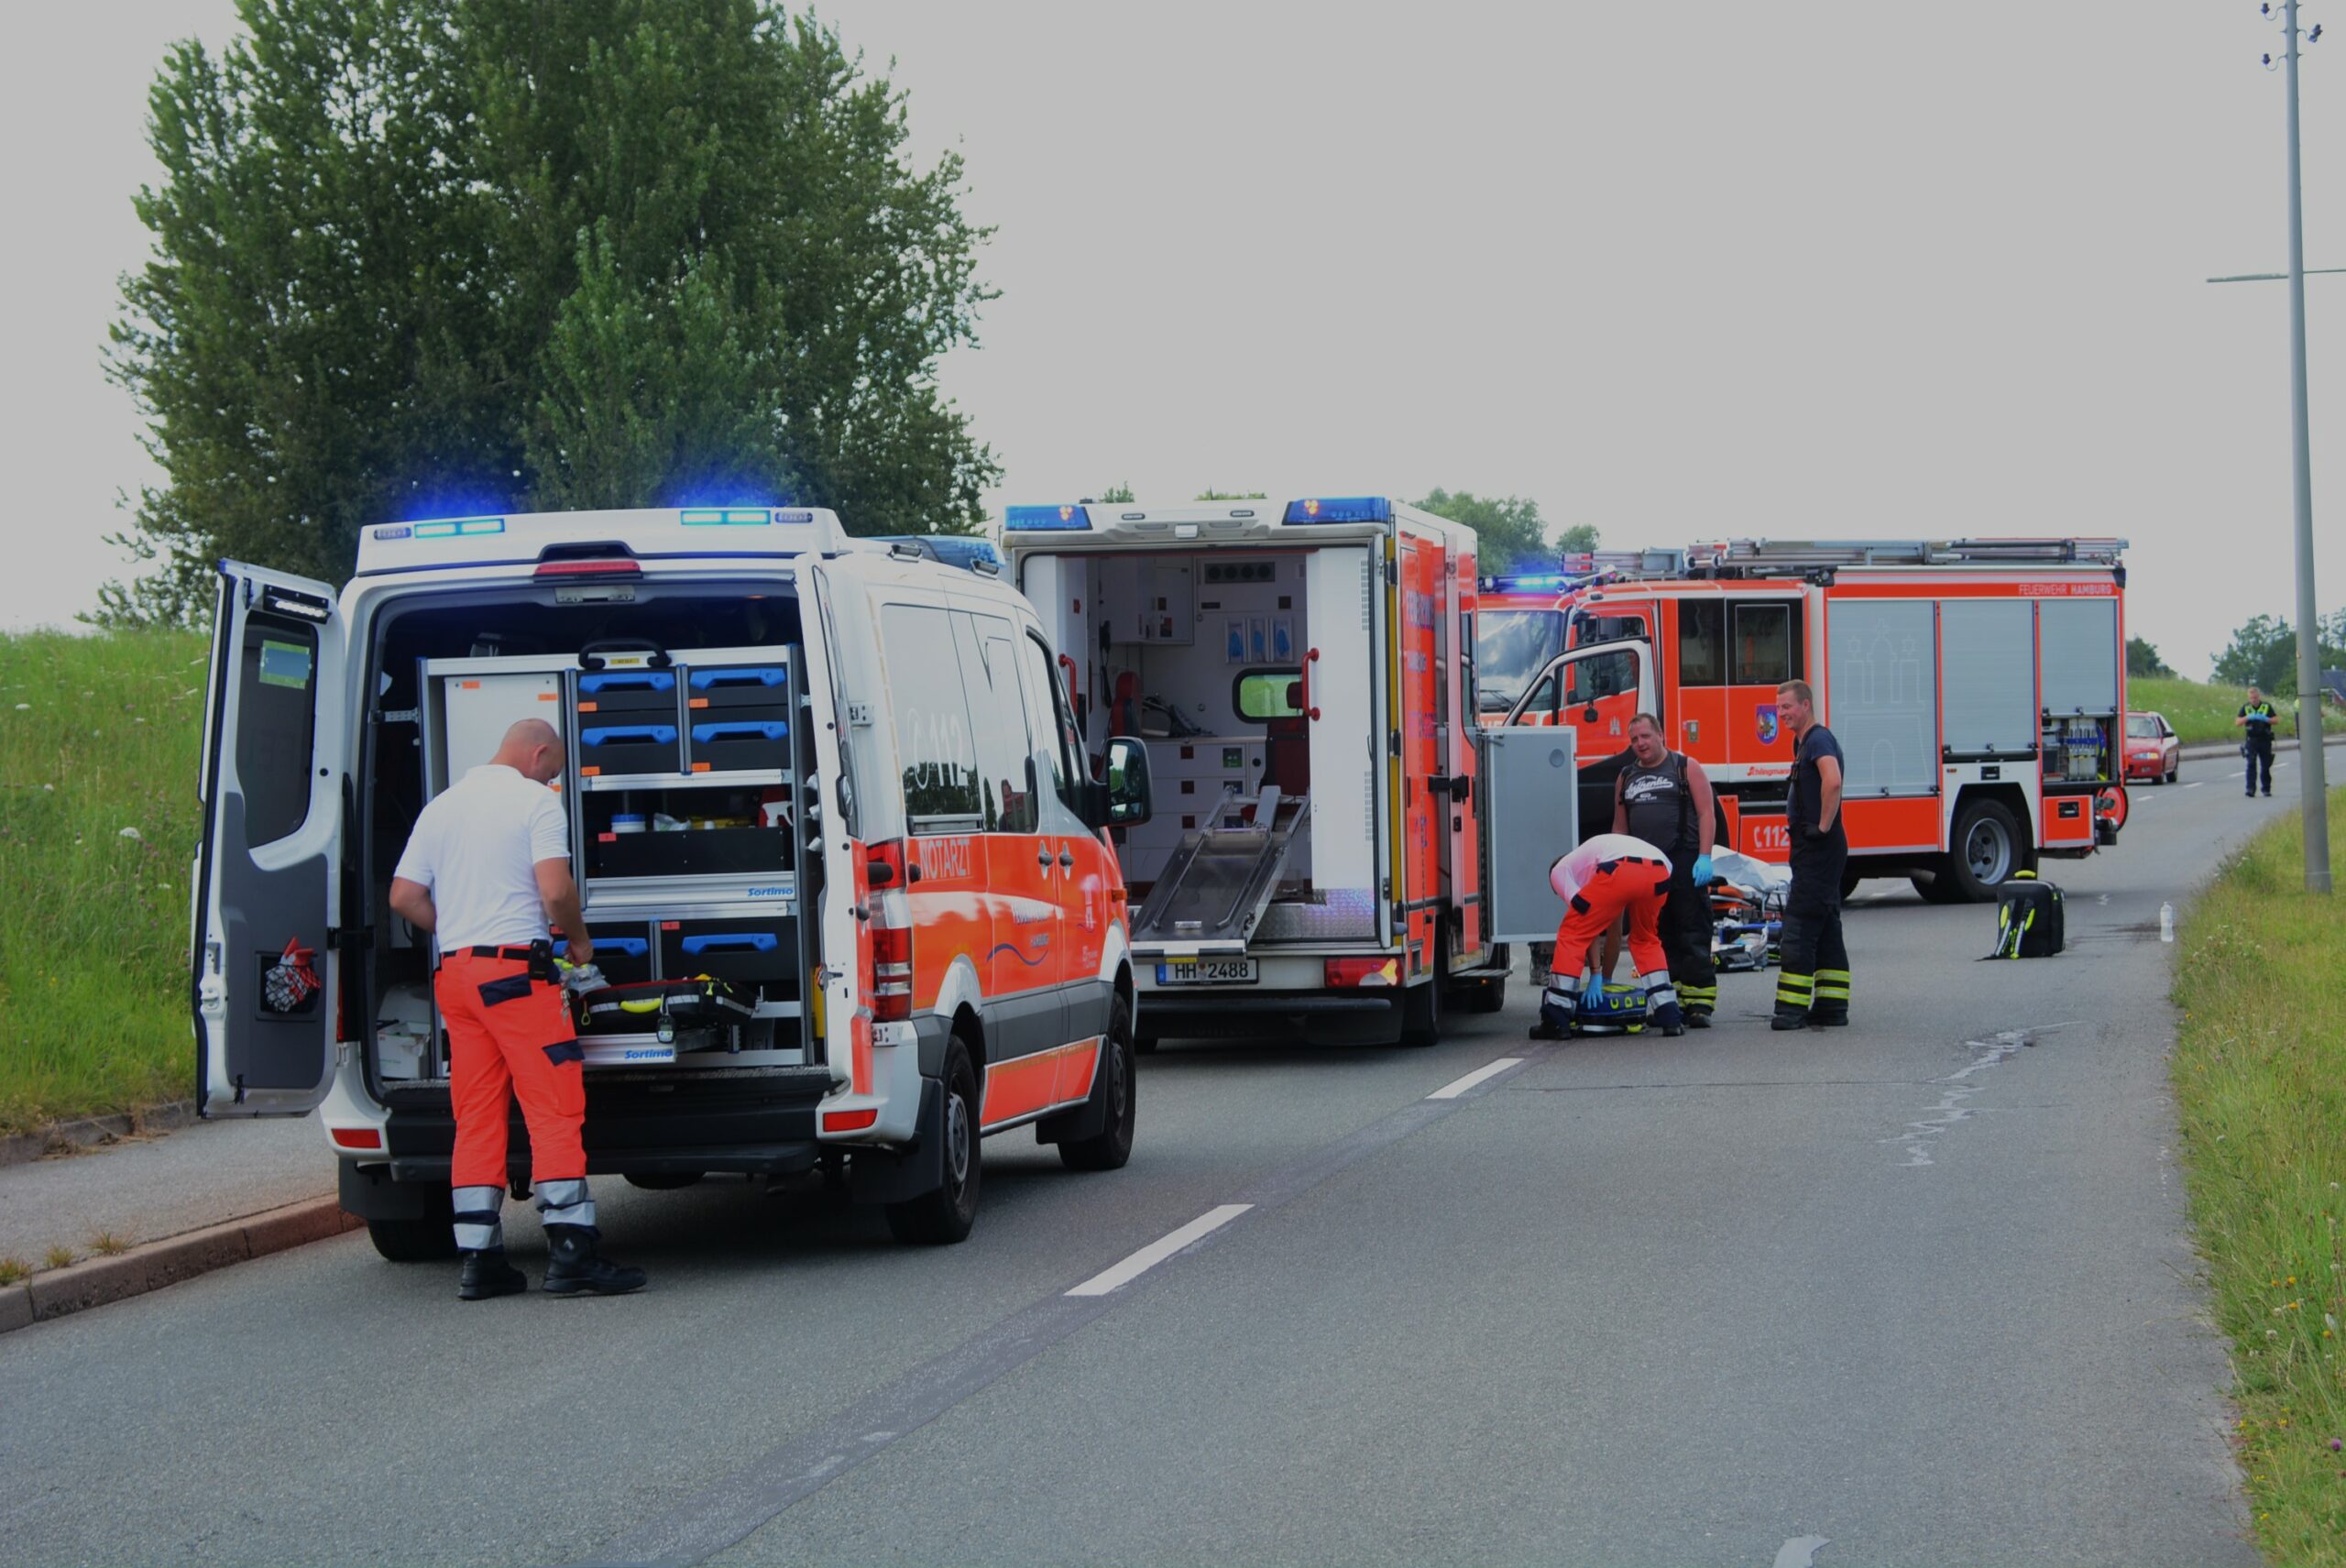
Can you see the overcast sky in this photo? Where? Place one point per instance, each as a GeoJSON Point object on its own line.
{"type": "Point", "coordinates": [1799, 270]}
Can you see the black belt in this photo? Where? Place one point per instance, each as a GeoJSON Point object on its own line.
{"type": "Point", "coordinates": [506, 952]}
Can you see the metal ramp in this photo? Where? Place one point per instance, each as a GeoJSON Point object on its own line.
{"type": "Point", "coordinates": [1213, 891]}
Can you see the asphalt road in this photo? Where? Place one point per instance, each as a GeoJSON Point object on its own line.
{"type": "Point", "coordinates": [1916, 1292]}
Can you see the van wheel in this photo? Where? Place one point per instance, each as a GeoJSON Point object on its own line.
{"type": "Point", "coordinates": [1113, 1145]}
{"type": "Point", "coordinates": [431, 1239]}
{"type": "Point", "coordinates": [1986, 851]}
{"type": "Point", "coordinates": [945, 1216]}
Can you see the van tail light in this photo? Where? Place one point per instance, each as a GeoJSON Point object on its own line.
{"type": "Point", "coordinates": [627, 570]}
{"type": "Point", "coordinates": [892, 934]}
{"type": "Point", "coordinates": [358, 1137]}
{"type": "Point", "coordinates": [1349, 973]}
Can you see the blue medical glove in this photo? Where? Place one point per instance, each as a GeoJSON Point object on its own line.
{"type": "Point", "coordinates": [1702, 870]}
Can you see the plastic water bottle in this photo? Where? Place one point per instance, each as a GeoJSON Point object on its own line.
{"type": "Point", "coordinates": [2166, 922]}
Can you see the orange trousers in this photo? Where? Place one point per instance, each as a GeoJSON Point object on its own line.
{"type": "Point", "coordinates": [510, 1038]}
{"type": "Point", "coordinates": [1635, 888]}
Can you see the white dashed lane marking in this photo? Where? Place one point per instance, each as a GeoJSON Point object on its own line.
{"type": "Point", "coordinates": [1492, 1070]}
{"type": "Point", "coordinates": [1160, 1249]}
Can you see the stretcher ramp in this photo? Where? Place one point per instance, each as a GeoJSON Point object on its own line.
{"type": "Point", "coordinates": [1214, 891]}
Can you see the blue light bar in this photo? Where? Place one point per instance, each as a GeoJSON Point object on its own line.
{"type": "Point", "coordinates": [1068, 517]}
{"type": "Point", "coordinates": [726, 517]}
{"type": "Point", "coordinates": [446, 528]}
{"type": "Point", "coordinates": [1526, 584]}
{"type": "Point", "coordinates": [1340, 508]}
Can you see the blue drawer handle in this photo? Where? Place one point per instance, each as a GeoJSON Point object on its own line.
{"type": "Point", "coordinates": [707, 732]}
{"type": "Point", "coordinates": [763, 675]}
{"type": "Point", "coordinates": [633, 946]}
{"type": "Point", "coordinates": [658, 734]}
{"type": "Point", "coordinates": [733, 942]}
{"type": "Point", "coordinates": [628, 680]}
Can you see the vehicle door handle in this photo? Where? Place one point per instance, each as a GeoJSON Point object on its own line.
{"type": "Point", "coordinates": [1066, 861]}
{"type": "Point", "coordinates": [1043, 856]}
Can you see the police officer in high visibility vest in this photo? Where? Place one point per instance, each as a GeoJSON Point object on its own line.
{"type": "Point", "coordinates": [1812, 984]}
{"type": "Point", "coordinates": [1664, 798]}
{"type": "Point", "coordinates": [487, 863]}
{"type": "Point", "coordinates": [2256, 717]}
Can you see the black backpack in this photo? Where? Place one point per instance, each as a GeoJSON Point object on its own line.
{"type": "Point", "coordinates": [2028, 919]}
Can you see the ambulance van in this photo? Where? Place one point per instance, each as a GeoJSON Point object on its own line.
{"type": "Point", "coordinates": [830, 819]}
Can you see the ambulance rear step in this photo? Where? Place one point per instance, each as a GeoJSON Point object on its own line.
{"type": "Point", "coordinates": [1213, 891]}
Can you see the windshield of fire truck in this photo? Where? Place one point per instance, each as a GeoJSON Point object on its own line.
{"type": "Point", "coordinates": [1510, 647]}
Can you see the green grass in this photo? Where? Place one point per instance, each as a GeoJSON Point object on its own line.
{"type": "Point", "coordinates": [2198, 712]}
{"type": "Point", "coordinates": [96, 734]}
{"type": "Point", "coordinates": [2260, 1074]}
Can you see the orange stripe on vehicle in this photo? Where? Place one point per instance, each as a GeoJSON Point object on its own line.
{"type": "Point", "coordinates": [859, 1051]}
{"type": "Point", "coordinates": [1024, 1085]}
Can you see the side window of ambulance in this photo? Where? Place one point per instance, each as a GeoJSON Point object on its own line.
{"type": "Point", "coordinates": [277, 677]}
{"type": "Point", "coordinates": [1049, 728]}
{"type": "Point", "coordinates": [990, 671]}
{"type": "Point", "coordinates": [935, 745]}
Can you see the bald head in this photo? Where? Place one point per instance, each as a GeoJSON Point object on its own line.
{"type": "Point", "coordinates": [533, 747]}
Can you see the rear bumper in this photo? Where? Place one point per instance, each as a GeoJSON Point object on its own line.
{"type": "Point", "coordinates": [762, 1125]}
{"type": "Point", "coordinates": [1318, 1018]}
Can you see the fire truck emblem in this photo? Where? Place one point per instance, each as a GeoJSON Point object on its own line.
{"type": "Point", "coordinates": [1767, 724]}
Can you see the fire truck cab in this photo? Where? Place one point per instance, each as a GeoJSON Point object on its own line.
{"type": "Point", "coordinates": [1978, 689]}
{"type": "Point", "coordinates": [1299, 680]}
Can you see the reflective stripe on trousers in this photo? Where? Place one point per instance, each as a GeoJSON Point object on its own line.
{"type": "Point", "coordinates": [566, 1202]}
{"type": "Point", "coordinates": [479, 1228]}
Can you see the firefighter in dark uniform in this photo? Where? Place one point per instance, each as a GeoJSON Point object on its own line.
{"type": "Point", "coordinates": [1664, 798]}
{"type": "Point", "coordinates": [1812, 984]}
{"type": "Point", "coordinates": [2256, 717]}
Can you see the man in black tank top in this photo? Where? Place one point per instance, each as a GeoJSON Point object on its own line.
{"type": "Point", "coordinates": [1664, 798]}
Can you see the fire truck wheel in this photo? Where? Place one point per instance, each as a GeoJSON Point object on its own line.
{"type": "Point", "coordinates": [1936, 887]}
{"type": "Point", "coordinates": [1987, 849]}
{"type": "Point", "coordinates": [945, 1216]}
{"type": "Point", "coordinates": [1421, 1005]}
{"type": "Point", "coordinates": [427, 1240]}
{"type": "Point", "coordinates": [1117, 1081]}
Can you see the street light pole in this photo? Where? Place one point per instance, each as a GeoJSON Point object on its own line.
{"type": "Point", "coordinates": [2315, 774]}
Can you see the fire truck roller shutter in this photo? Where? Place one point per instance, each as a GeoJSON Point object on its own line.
{"type": "Point", "coordinates": [1884, 696]}
{"type": "Point", "coordinates": [2080, 655]}
{"type": "Point", "coordinates": [1990, 647]}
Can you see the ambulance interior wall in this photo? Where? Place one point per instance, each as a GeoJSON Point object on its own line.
{"type": "Point", "coordinates": [506, 623]}
{"type": "Point", "coordinates": [1187, 626]}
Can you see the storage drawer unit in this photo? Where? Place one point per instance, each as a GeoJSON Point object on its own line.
{"type": "Point", "coordinates": [627, 748]}
{"type": "Point", "coordinates": [624, 954]}
{"type": "Point", "coordinates": [700, 852]}
{"type": "Point", "coordinates": [733, 745]}
{"type": "Point", "coordinates": [643, 696]}
{"type": "Point", "coordinates": [738, 718]}
{"type": "Point", "coordinates": [759, 951]}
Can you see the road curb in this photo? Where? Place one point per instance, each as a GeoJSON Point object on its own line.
{"type": "Point", "coordinates": [60, 1292]}
{"type": "Point", "coordinates": [88, 1132]}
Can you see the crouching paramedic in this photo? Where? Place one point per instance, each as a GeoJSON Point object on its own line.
{"type": "Point", "coordinates": [1664, 798]}
{"type": "Point", "coordinates": [1812, 984]}
{"type": "Point", "coordinates": [487, 863]}
{"type": "Point", "coordinates": [1610, 876]}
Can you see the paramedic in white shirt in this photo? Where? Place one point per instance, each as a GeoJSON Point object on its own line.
{"type": "Point", "coordinates": [487, 865]}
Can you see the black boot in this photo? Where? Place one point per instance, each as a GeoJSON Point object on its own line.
{"type": "Point", "coordinates": [487, 1274]}
{"type": "Point", "coordinates": [573, 1265]}
{"type": "Point", "coordinates": [1781, 1019]}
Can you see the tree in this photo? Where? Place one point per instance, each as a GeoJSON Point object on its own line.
{"type": "Point", "coordinates": [1211, 494]}
{"type": "Point", "coordinates": [1510, 534]}
{"type": "Point", "coordinates": [2262, 654]}
{"type": "Point", "coordinates": [415, 258]}
{"type": "Point", "coordinates": [2141, 659]}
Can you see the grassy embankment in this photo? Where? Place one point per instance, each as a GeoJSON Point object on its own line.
{"type": "Point", "coordinates": [2198, 712]}
{"type": "Point", "coordinates": [97, 734]}
{"type": "Point", "coordinates": [2260, 1074]}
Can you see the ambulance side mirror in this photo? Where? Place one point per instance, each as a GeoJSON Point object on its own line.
{"type": "Point", "coordinates": [1127, 789]}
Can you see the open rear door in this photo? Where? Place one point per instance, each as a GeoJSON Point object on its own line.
{"type": "Point", "coordinates": [270, 867]}
{"type": "Point", "coordinates": [1345, 725]}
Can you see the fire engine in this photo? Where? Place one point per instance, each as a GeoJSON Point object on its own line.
{"type": "Point", "coordinates": [1977, 687]}
{"type": "Point", "coordinates": [1299, 680]}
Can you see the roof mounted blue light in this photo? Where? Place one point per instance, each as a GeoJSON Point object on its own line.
{"type": "Point", "coordinates": [1067, 517]}
{"type": "Point", "coordinates": [446, 527]}
{"type": "Point", "coordinates": [1340, 508]}
{"type": "Point", "coordinates": [725, 517]}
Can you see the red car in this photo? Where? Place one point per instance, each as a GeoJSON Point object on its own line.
{"type": "Point", "coordinates": [2152, 751]}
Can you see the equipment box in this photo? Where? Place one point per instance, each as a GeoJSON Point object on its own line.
{"type": "Point", "coordinates": [750, 952]}
{"type": "Point", "coordinates": [745, 685]}
{"type": "Point", "coordinates": [701, 851]}
{"type": "Point", "coordinates": [627, 748]}
{"type": "Point", "coordinates": [641, 696]}
{"type": "Point", "coordinates": [739, 745]}
{"type": "Point", "coordinates": [623, 955]}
